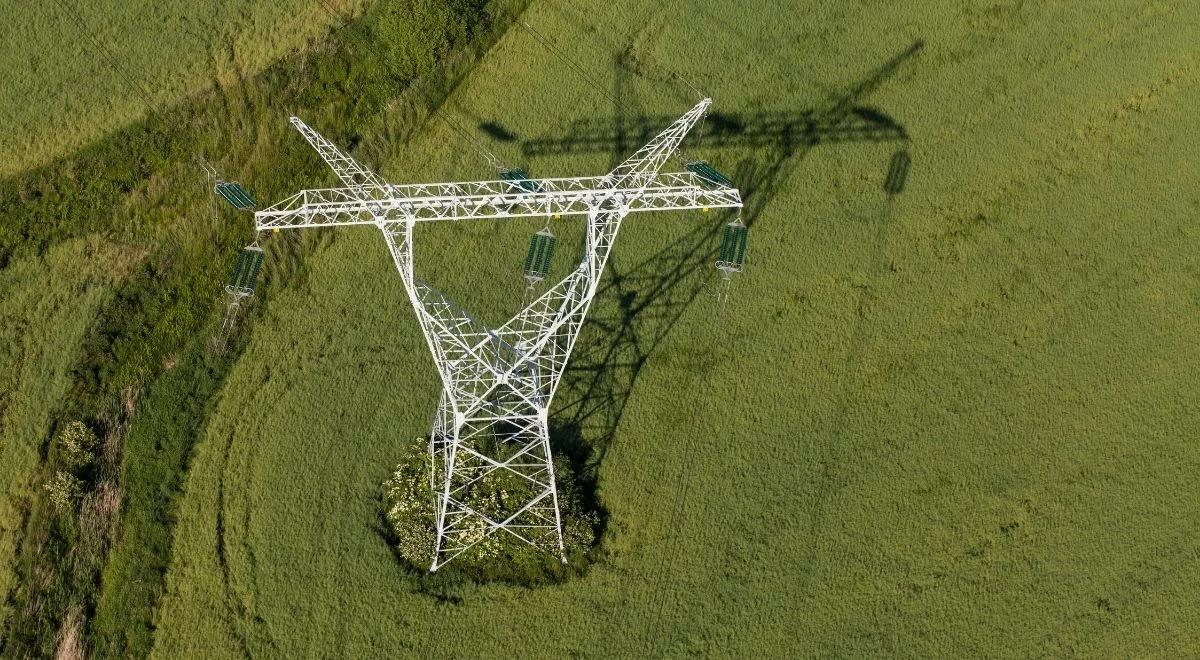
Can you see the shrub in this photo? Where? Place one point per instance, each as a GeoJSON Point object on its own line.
{"type": "Point", "coordinates": [410, 511]}
{"type": "Point", "coordinates": [76, 445]}
{"type": "Point", "coordinates": [418, 34]}
{"type": "Point", "coordinates": [64, 491]}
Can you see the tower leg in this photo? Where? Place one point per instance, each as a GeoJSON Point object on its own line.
{"type": "Point", "coordinates": [544, 431]}
{"type": "Point", "coordinates": [493, 474]}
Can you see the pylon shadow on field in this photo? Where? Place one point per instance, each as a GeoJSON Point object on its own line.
{"type": "Point", "coordinates": [782, 129]}
{"type": "Point", "coordinates": [496, 131]}
{"type": "Point", "coordinates": [845, 120]}
{"type": "Point", "coordinates": [639, 306]}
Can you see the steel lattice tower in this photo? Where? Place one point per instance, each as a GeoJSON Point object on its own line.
{"type": "Point", "coordinates": [498, 383]}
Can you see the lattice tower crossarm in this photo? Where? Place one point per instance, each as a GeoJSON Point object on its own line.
{"type": "Point", "coordinates": [497, 383]}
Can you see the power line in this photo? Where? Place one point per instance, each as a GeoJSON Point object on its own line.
{"type": "Point", "coordinates": [548, 44]}
{"type": "Point", "coordinates": [107, 54]}
{"type": "Point", "coordinates": [643, 20]}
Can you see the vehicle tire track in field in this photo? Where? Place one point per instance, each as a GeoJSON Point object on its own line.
{"type": "Point", "coordinates": [760, 187]}
{"type": "Point", "coordinates": [1067, 294]}
{"type": "Point", "coordinates": [256, 628]}
{"type": "Point", "coordinates": [1058, 155]}
{"type": "Point", "coordinates": [764, 181]}
{"type": "Point", "coordinates": [828, 482]}
{"type": "Point", "coordinates": [222, 557]}
{"type": "Point", "coordinates": [653, 631]}
{"type": "Point", "coordinates": [1067, 300]}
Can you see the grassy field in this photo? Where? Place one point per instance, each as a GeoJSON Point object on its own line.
{"type": "Point", "coordinates": [957, 421]}
{"type": "Point", "coordinates": [79, 70]}
{"type": "Point", "coordinates": [953, 420]}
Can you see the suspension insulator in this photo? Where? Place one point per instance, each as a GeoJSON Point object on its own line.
{"type": "Point", "coordinates": [732, 255]}
{"type": "Point", "coordinates": [239, 269]}
{"type": "Point", "coordinates": [245, 271]}
{"type": "Point", "coordinates": [531, 256]}
{"type": "Point", "coordinates": [236, 195]}
{"type": "Point", "coordinates": [709, 174]}
{"type": "Point", "coordinates": [256, 260]}
{"type": "Point", "coordinates": [521, 178]}
{"type": "Point", "coordinates": [548, 254]}
{"type": "Point", "coordinates": [539, 256]}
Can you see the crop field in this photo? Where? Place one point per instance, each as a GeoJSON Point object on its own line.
{"type": "Point", "coordinates": [947, 411]}
{"type": "Point", "coordinates": [951, 422]}
{"type": "Point", "coordinates": [139, 57]}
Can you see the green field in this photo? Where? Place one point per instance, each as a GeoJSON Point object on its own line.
{"type": "Point", "coordinates": [80, 70]}
{"type": "Point", "coordinates": [955, 424]}
{"type": "Point", "coordinates": [112, 256]}
{"type": "Point", "coordinates": [956, 420]}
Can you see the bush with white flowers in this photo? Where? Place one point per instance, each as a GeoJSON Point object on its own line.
{"type": "Point", "coordinates": [65, 489]}
{"type": "Point", "coordinates": [76, 445]}
{"type": "Point", "coordinates": [410, 515]}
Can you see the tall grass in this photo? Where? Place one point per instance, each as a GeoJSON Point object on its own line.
{"type": "Point", "coordinates": [48, 306]}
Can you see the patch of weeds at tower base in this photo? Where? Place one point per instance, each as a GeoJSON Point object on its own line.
{"type": "Point", "coordinates": [409, 517]}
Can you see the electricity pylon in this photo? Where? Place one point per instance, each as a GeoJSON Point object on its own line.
{"type": "Point", "coordinates": [497, 383]}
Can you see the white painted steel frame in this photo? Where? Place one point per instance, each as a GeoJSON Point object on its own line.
{"type": "Point", "coordinates": [497, 384]}
{"type": "Point", "coordinates": [484, 200]}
